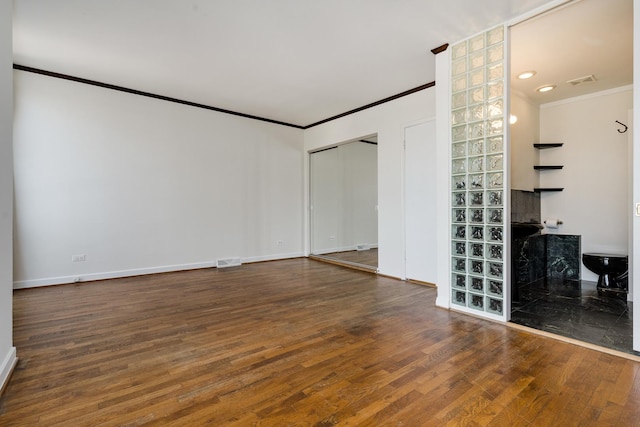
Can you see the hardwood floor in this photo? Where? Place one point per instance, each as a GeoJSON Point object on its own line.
{"type": "Point", "coordinates": [293, 343]}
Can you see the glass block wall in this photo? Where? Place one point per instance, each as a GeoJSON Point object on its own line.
{"type": "Point", "coordinates": [478, 174]}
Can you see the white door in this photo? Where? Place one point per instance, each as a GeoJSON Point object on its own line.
{"type": "Point", "coordinates": [420, 196]}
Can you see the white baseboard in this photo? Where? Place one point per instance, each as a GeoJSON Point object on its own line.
{"type": "Point", "coordinates": [35, 283]}
{"type": "Point", "coordinates": [6, 368]}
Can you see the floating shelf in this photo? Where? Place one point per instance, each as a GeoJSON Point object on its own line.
{"type": "Point", "coordinates": [540, 190]}
{"type": "Point", "coordinates": [548, 145]}
{"type": "Point", "coordinates": [549, 167]}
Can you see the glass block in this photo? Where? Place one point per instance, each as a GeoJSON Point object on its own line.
{"type": "Point", "coordinates": [459, 248]}
{"type": "Point", "coordinates": [495, 53]}
{"type": "Point", "coordinates": [495, 90]}
{"type": "Point", "coordinates": [495, 127]}
{"type": "Point", "coordinates": [459, 231]}
{"type": "Point", "coordinates": [459, 100]}
{"type": "Point", "coordinates": [476, 181]}
{"type": "Point", "coordinates": [459, 298]}
{"type": "Point", "coordinates": [495, 234]}
{"type": "Point", "coordinates": [495, 35]}
{"type": "Point", "coordinates": [460, 281]}
{"type": "Point", "coordinates": [477, 267]}
{"type": "Point", "coordinates": [459, 67]}
{"type": "Point", "coordinates": [459, 182]}
{"type": "Point", "coordinates": [476, 250]}
{"type": "Point", "coordinates": [476, 77]}
{"type": "Point", "coordinates": [476, 215]}
{"type": "Point", "coordinates": [476, 301]}
{"type": "Point", "coordinates": [495, 198]}
{"type": "Point", "coordinates": [459, 199]}
{"type": "Point", "coordinates": [476, 164]}
{"type": "Point", "coordinates": [460, 215]}
{"type": "Point", "coordinates": [459, 149]}
{"type": "Point", "coordinates": [476, 198]}
{"type": "Point", "coordinates": [476, 113]}
{"type": "Point", "coordinates": [494, 144]}
{"type": "Point", "coordinates": [477, 233]}
{"type": "Point", "coordinates": [495, 269]}
{"type": "Point", "coordinates": [477, 284]}
{"type": "Point", "coordinates": [459, 133]}
{"type": "Point", "coordinates": [476, 147]}
{"type": "Point", "coordinates": [495, 179]}
{"type": "Point", "coordinates": [459, 116]}
{"type": "Point", "coordinates": [459, 166]}
{"type": "Point", "coordinates": [476, 60]}
{"type": "Point", "coordinates": [495, 216]}
{"type": "Point", "coordinates": [476, 130]}
{"type": "Point", "coordinates": [459, 83]}
{"type": "Point", "coordinates": [494, 306]}
{"type": "Point", "coordinates": [460, 265]}
{"type": "Point", "coordinates": [459, 50]}
{"type": "Point", "coordinates": [494, 252]}
{"type": "Point", "coordinates": [495, 108]}
{"type": "Point", "coordinates": [495, 288]}
{"type": "Point", "coordinates": [495, 72]}
{"type": "Point", "coordinates": [476, 95]}
{"type": "Point", "coordinates": [494, 162]}
{"type": "Point", "coordinates": [476, 43]}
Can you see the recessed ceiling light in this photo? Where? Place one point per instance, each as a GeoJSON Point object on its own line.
{"type": "Point", "coordinates": [526, 75]}
{"type": "Point", "coordinates": [546, 88]}
{"type": "Point", "coordinates": [513, 119]}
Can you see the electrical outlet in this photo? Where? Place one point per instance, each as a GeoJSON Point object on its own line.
{"type": "Point", "coordinates": [280, 242]}
{"type": "Point", "coordinates": [79, 258]}
{"type": "Point", "coordinates": [332, 237]}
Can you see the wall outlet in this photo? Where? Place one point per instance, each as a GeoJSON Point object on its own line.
{"type": "Point", "coordinates": [79, 258]}
{"type": "Point", "coordinates": [280, 242]}
{"type": "Point", "coordinates": [332, 237]}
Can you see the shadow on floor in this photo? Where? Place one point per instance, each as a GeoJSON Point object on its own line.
{"type": "Point", "coordinates": [574, 309]}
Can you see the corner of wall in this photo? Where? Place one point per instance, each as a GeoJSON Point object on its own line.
{"type": "Point", "coordinates": [6, 368]}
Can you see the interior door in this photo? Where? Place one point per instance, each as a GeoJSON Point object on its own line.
{"type": "Point", "coordinates": [420, 211]}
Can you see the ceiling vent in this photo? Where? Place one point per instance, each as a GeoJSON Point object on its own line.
{"type": "Point", "coordinates": [582, 80]}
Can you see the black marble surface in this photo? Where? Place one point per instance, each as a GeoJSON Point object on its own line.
{"type": "Point", "coordinates": [563, 257]}
{"type": "Point", "coordinates": [573, 309]}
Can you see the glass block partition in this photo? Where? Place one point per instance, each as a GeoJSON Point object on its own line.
{"type": "Point", "coordinates": [478, 262]}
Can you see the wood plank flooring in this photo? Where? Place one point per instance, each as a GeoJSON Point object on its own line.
{"type": "Point", "coordinates": [293, 343]}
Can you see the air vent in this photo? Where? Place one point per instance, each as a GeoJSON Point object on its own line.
{"type": "Point", "coordinates": [228, 262]}
{"type": "Point", "coordinates": [582, 80]}
{"type": "Point", "coordinates": [363, 247]}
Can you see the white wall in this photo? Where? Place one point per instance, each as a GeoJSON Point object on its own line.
{"type": "Point", "coordinates": [7, 351]}
{"type": "Point", "coordinates": [594, 203]}
{"type": "Point", "coordinates": [141, 185]}
{"type": "Point", "coordinates": [524, 133]}
{"type": "Point", "coordinates": [388, 121]}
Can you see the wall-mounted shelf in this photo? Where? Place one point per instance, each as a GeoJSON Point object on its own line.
{"type": "Point", "coordinates": [547, 168]}
{"type": "Point", "coordinates": [540, 190]}
{"type": "Point", "coordinates": [548, 145]}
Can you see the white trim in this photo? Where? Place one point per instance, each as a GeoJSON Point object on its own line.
{"type": "Point", "coordinates": [627, 88]}
{"type": "Point", "coordinates": [540, 11]}
{"type": "Point", "coordinates": [6, 368]}
{"type": "Point", "coordinates": [443, 177]}
{"type": "Point", "coordinates": [23, 284]}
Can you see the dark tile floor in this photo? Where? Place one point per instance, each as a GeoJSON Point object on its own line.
{"type": "Point", "coordinates": [574, 309]}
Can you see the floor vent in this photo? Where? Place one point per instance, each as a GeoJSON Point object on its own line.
{"type": "Point", "coordinates": [581, 80]}
{"type": "Point", "coordinates": [228, 262]}
{"type": "Point", "coordinates": [363, 247]}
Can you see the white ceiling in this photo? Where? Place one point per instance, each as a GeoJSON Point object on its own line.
{"type": "Point", "coordinates": [297, 61]}
{"type": "Point", "coordinates": [576, 40]}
